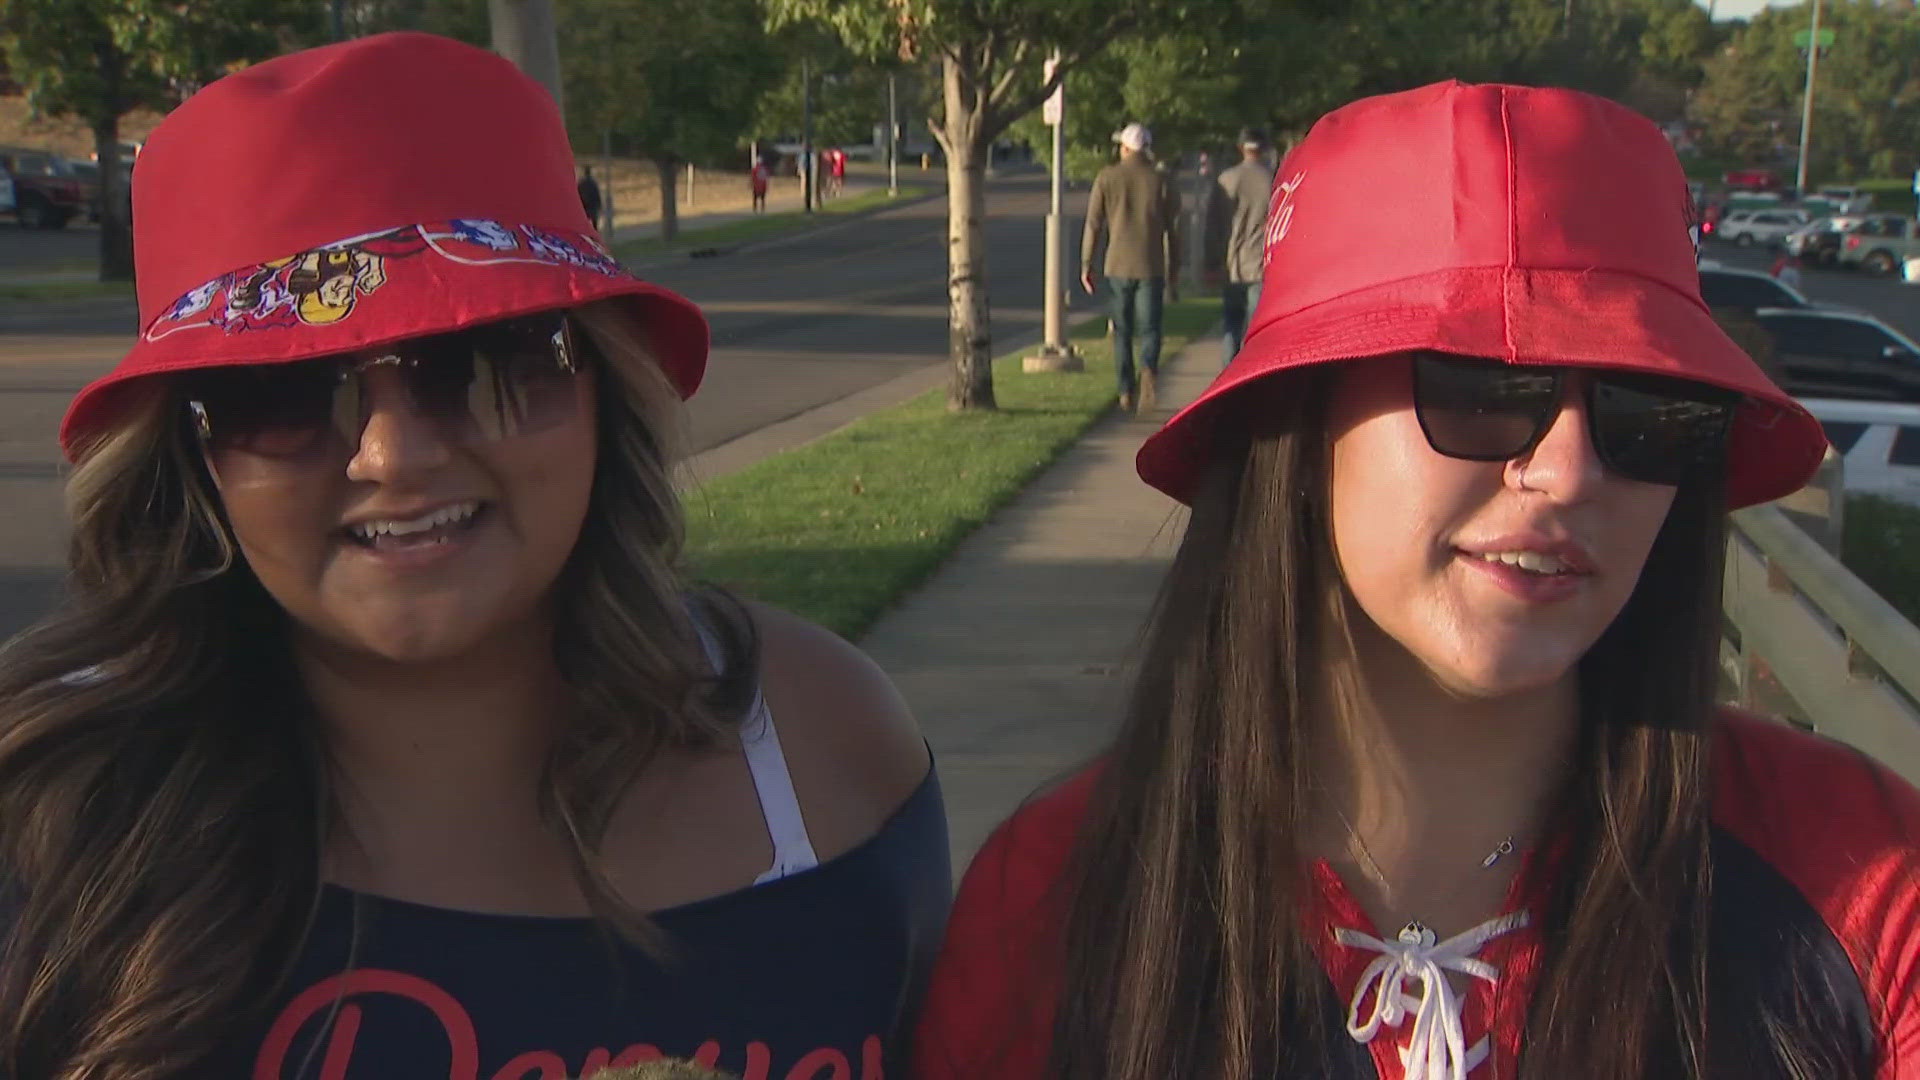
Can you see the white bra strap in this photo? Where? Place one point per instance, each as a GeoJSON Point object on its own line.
{"type": "Point", "coordinates": [786, 825]}
{"type": "Point", "coordinates": [772, 781]}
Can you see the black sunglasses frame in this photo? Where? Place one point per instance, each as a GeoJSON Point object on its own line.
{"type": "Point", "coordinates": [1714, 410]}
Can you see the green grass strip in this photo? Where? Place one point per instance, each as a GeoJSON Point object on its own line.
{"type": "Point", "coordinates": [760, 226]}
{"type": "Point", "coordinates": [838, 529]}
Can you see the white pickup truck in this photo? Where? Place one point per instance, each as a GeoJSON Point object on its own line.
{"type": "Point", "coordinates": [1879, 243]}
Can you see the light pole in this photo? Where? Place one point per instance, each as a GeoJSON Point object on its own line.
{"type": "Point", "coordinates": [1055, 354]}
{"type": "Point", "coordinates": [806, 135]}
{"type": "Point", "coordinates": [1806, 108]}
{"type": "Point", "coordinates": [893, 139]}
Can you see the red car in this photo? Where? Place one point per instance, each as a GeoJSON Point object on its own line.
{"type": "Point", "coordinates": [1752, 180]}
{"type": "Point", "coordinates": [45, 193]}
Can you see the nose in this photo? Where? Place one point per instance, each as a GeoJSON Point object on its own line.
{"type": "Point", "coordinates": [396, 440]}
{"type": "Point", "coordinates": [1563, 465]}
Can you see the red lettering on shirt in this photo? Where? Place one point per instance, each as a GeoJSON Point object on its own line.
{"type": "Point", "coordinates": [329, 1001]}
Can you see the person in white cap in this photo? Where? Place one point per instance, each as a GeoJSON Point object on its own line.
{"type": "Point", "coordinates": [1137, 210]}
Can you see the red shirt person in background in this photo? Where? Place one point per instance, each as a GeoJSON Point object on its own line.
{"type": "Point", "coordinates": [1423, 776]}
{"type": "Point", "coordinates": [758, 177]}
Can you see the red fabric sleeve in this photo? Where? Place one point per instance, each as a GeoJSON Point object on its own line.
{"type": "Point", "coordinates": [1846, 833]}
{"type": "Point", "coordinates": [989, 1007]}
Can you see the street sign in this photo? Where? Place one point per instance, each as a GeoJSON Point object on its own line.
{"type": "Point", "coordinates": [1826, 37]}
{"type": "Point", "coordinates": [1050, 111]}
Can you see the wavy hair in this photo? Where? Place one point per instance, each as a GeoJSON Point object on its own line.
{"type": "Point", "coordinates": [1182, 956]}
{"type": "Point", "coordinates": [165, 788]}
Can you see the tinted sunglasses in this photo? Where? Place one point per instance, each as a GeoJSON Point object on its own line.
{"type": "Point", "coordinates": [482, 384]}
{"type": "Point", "coordinates": [1649, 428]}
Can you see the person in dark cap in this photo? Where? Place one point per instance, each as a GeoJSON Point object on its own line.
{"type": "Point", "coordinates": [1236, 226]}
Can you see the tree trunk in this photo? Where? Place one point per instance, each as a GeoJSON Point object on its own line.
{"type": "Point", "coordinates": [116, 230]}
{"type": "Point", "coordinates": [970, 331]}
{"type": "Point", "coordinates": [116, 209]}
{"type": "Point", "coordinates": [669, 208]}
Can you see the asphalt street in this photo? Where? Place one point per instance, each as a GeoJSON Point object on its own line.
{"type": "Point", "coordinates": [1893, 301]}
{"type": "Point", "coordinates": [798, 322]}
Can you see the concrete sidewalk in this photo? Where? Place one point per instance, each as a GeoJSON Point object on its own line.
{"type": "Point", "coordinates": [1015, 656]}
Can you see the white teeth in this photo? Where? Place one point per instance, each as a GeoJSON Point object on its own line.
{"type": "Point", "coordinates": [1537, 562]}
{"type": "Point", "coordinates": [446, 515]}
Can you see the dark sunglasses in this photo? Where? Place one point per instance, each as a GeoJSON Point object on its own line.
{"type": "Point", "coordinates": [484, 383]}
{"type": "Point", "coordinates": [1649, 428]}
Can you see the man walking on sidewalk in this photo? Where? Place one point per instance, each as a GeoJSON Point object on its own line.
{"type": "Point", "coordinates": [1137, 210]}
{"type": "Point", "coordinates": [1236, 236]}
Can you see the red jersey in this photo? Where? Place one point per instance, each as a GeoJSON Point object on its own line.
{"type": "Point", "coordinates": [1811, 845]}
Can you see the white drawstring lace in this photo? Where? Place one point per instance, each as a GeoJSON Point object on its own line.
{"type": "Point", "coordinates": [1438, 1049]}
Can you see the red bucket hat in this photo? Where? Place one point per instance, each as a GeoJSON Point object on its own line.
{"type": "Point", "coordinates": [1529, 225]}
{"type": "Point", "coordinates": [358, 194]}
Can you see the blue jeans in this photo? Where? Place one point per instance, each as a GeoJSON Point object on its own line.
{"type": "Point", "coordinates": [1237, 301]}
{"type": "Point", "coordinates": [1136, 306]}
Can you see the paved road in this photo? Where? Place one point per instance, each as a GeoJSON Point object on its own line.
{"type": "Point", "coordinates": [797, 323]}
{"type": "Point", "coordinates": [1889, 298]}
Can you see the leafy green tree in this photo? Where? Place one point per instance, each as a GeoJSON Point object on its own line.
{"type": "Point", "coordinates": [674, 81]}
{"type": "Point", "coordinates": [990, 53]}
{"type": "Point", "coordinates": [463, 20]}
{"type": "Point", "coordinates": [1866, 98]}
{"type": "Point", "coordinates": [98, 59]}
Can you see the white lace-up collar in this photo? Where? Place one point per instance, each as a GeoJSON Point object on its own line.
{"type": "Point", "coordinates": [1438, 1049]}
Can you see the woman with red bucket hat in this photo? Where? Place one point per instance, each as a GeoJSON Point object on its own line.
{"type": "Point", "coordinates": [379, 735]}
{"type": "Point", "coordinates": [1422, 776]}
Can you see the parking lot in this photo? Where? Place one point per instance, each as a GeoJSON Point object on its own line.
{"type": "Point", "coordinates": [1894, 302]}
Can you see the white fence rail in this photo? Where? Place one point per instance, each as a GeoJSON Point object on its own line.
{"type": "Point", "coordinates": [1808, 639]}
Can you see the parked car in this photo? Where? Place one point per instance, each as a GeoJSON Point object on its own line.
{"type": "Point", "coordinates": [88, 173]}
{"type": "Point", "coordinates": [1816, 243]}
{"type": "Point", "coordinates": [1878, 443]}
{"type": "Point", "coordinates": [1825, 353]}
{"type": "Point", "coordinates": [1746, 290]}
{"type": "Point", "coordinates": [46, 194]}
{"type": "Point", "coordinates": [1769, 227]}
{"type": "Point", "coordinates": [1879, 243]}
{"type": "Point", "coordinates": [1844, 199]}
{"type": "Point", "coordinates": [1752, 179]}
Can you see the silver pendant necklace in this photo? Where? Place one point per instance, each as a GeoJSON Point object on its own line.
{"type": "Point", "coordinates": [1415, 932]}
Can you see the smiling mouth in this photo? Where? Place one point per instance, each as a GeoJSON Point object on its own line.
{"type": "Point", "coordinates": [1532, 562]}
{"type": "Point", "coordinates": [441, 526]}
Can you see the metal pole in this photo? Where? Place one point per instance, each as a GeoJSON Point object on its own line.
{"type": "Point", "coordinates": [806, 134]}
{"type": "Point", "coordinates": [1806, 112]}
{"type": "Point", "coordinates": [523, 32]}
{"type": "Point", "coordinates": [893, 139]}
{"type": "Point", "coordinates": [1055, 354]}
{"type": "Point", "coordinates": [1055, 279]}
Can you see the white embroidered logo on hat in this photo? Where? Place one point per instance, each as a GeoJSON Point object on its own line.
{"type": "Point", "coordinates": [1280, 213]}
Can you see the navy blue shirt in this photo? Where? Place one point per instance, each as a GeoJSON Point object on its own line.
{"type": "Point", "coordinates": [809, 977]}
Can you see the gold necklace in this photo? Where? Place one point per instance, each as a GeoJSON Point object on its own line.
{"type": "Point", "coordinates": [1415, 932]}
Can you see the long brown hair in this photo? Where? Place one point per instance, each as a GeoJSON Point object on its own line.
{"type": "Point", "coordinates": [164, 784]}
{"type": "Point", "coordinates": [1182, 957]}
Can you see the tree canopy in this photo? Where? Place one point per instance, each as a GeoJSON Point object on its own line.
{"type": "Point", "coordinates": [1866, 99]}
{"type": "Point", "coordinates": [98, 59]}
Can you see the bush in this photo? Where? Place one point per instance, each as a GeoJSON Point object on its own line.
{"type": "Point", "coordinates": [1882, 548]}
